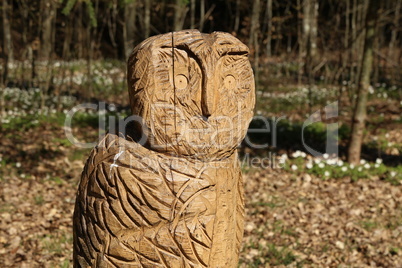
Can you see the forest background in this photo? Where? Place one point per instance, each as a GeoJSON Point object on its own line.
{"type": "Point", "coordinates": [307, 55]}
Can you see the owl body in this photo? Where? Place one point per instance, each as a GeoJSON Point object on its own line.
{"type": "Point", "coordinates": [139, 208]}
{"type": "Point", "coordinates": [173, 197]}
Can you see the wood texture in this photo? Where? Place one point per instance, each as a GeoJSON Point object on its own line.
{"type": "Point", "coordinates": [174, 197]}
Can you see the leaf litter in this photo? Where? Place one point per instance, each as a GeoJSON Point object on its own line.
{"type": "Point", "coordinates": [291, 220]}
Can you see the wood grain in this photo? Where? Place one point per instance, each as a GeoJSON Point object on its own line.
{"type": "Point", "coordinates": [175, 197]}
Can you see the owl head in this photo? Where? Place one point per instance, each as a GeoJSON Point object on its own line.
{"type": "Point", "coordinates": [194, 93]}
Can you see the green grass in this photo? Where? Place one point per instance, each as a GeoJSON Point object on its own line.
{"type": "Point", "coordinates": [39, 200]}
{"type": "Point", "coordinates": [279, 256]}
{"type": "Point", "coordinates": [54, 244]}
{"type": "Point", "coordinates": [369, 225]}
{"type": "Point", "coordinates": [273, 255]}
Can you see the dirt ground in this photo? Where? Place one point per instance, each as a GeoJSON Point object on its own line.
{"type": "Point", "coordinates": [294, 221]}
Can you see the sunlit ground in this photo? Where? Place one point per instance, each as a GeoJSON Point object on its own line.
{"type": "Point", "coordinates": [302, 209]}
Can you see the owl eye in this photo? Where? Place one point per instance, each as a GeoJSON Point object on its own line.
{"type": "Point", "coordinates": [180, 81]}
{"type": "Point", "coordinates": [229, 82]}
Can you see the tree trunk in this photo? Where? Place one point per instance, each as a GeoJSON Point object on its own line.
{"type": "Point", "coordinates": [354, 42]}
{"type": "Point", "coordinates": [255, 16]}
{"type": "Point", "coordinates": [237, 18]}
{"type": "Point", "coordinates": [300, 43]}
{"type": "Point", "coordinates": [23, 6]}
{"type": "Point", "coordinates": [68, 37]}
{"type": "Point", "coordinates": [48, 12]}
{"type": "Point", "coordinates": [269, 28]}
{"type": "Point", "coordinates": [361, 20]}
{"type": "Point", "coordinates": [80, 31]}
{"type": "Point", "coordinates": [310, 14]}
{"type": "Point", "coordinates": [7, 42]}
{"type": "Point", "coordinates": [179, 15]}
{"type": "Point", "coordinates": [345, 56]}
{"type": "Point", "coordinates": [360, 112]}
{"type": "Point", "coordinates": [392, 42]}
{"type": "Point", "coordinates": [111, 26]}
{"type": "Point", "coordinates": [192, 15]}
{"type": "Point", "coordinates": [202, 14]}
{"type": "Point", "coordinates": [130, 13]}
{"type": "Point", "coordinates": [310, 17]}
{"type": "Point", "coordinates": [147, 18]}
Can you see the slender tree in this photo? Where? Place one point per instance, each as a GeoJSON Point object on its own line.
{"type": "Point", "coordinates": [129, 28]}
{"type": "Point", "coordinates": [268, 16]}
{"type": "Point", "coordinates": [360, 109]}
{"type": "Point", "coordinates": [192, 14]}
{"type": "Point", "coordinates": [202, 14]}
{"type": "Point", "coordinates": [180, 14]}
{"type": "Point", "coordinates": [7, 42]}
{"type": "Point", "coordinates": [396, 28]}
{"type": "Point", "coordinates": [254, 27]}
{"type": "Point", "coordinates": [49, 10]}
{"type": "Point", "coordinates": [147, 18]}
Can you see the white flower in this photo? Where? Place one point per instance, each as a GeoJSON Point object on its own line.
{"type": "Point", "coordinates": [331, 161]}
{"type": "Point", "coordinates": [359, 169]}
{"type": "Point", "coordinates": [344, 169]}
{"type": "Point", "coordinates": [362, 161]}
{"type": "Point", "coordinates": [393, 173]}
{"type": "Point", "coordinates": [378, 161]}
{"type": "Point", "coordinates": [296, 154]}
{"type": "Point", "coordinates": [326, 173]}
{"type": "Point", "coordinates": [317, 160]}
{"type": "Point", "coordinates": [18, 164]}
{"type": "Point", "coordinates": [284, 156]}
{"type": "Point", "coordinates": [321, 165]}
{"type": "Point", "coordinates": [325, 156]}
{"type": "Point", "coordinates": [340, 163]}
{"type": "Point", "coordinates": [22, 175]}
{"type": "Point", "coordinates": [351, 166]}
{"type": "Point", "coordinates": [309, 165]}
{"type": "Point", "coordinates": [112, 107]}
{"type": "Point", "coordinates": [367, 166]}
{"type": "Point", "coordinates": [294, 167]}
{"type": "Point", "coordinates": [303, 154]}
{"type": "Point", "coordinates": [376, 165]}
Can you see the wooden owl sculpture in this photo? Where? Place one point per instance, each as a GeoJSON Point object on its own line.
{"type": "Point", "coordinates": [172, 196]}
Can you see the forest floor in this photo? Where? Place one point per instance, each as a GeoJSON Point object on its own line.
{"type": "Point", "coordinates": [309, 212]}
{"type": "Point", "coordinates": [291, 220]}
{"type": "Point", "coordinates": [294, 219]}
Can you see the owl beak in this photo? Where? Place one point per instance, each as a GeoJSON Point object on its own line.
{"type": "Point", "coordinates": [209, 100]}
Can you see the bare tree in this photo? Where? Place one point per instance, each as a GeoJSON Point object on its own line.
{"type": "Point", "coordinates": [130, 13]}
{"type": "Point", "coordinates": [180, 14]}
{"type": "Point", "coordinates": [49, 10]}
{"type": "Point", "coordinates": [268, 17]}
{"type": "Point", "coordinates": [394, 34]}
{"type": "Point", "coordinates": [7, 42]}
{"type": "Point", "coordinates": [147, 18]}
{"type": "Point", "coordinates": [360, 109]}
{"type": "Point", "coordinates": [254, 27]}
{"type": "Point", "coordinates": [202, 14]}
{"type": "Point", "coordinates": [310, 15]}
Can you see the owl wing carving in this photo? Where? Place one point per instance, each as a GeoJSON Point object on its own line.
{"type": "Point", "coordinates": [138, 208]}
